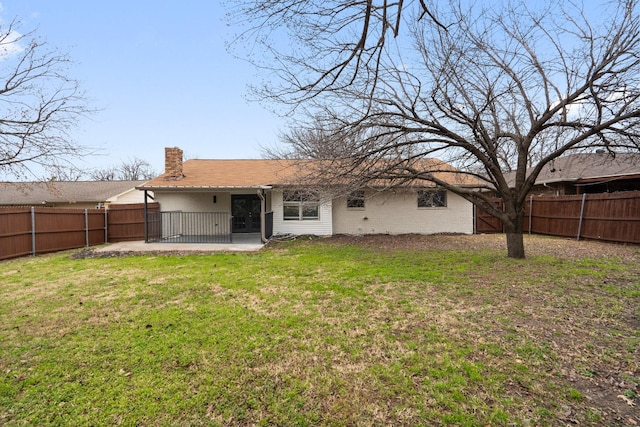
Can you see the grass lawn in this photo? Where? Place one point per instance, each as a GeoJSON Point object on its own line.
{"type": "Point", "coordinates": [323, 332]}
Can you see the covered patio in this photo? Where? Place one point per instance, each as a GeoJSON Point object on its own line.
{"type": "Point", "coordinates": [208, 227]}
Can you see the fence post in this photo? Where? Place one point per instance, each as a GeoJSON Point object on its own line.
{"type": "Point", "coordinates": [106, 225]}
{"type": "Point", "coordinates": [584, 198]}
{"type": "Point", "coordinates": [86, 227]}
{"type": "Point", "coordinates": [33, 231]}
{"type": "Point", "coordinates": [530, 211]}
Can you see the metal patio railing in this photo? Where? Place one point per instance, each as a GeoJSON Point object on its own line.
{"type": "Point", "coordinates": [189, 227]}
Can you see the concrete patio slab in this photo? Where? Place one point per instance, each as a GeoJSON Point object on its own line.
{"type": "Point", "coordinates": [241, 243]}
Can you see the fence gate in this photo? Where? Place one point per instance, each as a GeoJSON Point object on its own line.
{"type": "Point", "coordinates": [485, 223]}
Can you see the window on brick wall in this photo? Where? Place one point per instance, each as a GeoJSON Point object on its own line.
{"type": "Point", "coordinates": [432, 198]}
{"type": "Point", "coordinates": [355, 200]}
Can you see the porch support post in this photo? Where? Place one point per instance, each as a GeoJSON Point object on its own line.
{"type": "Point", "coordinates": [146, 227]}
{"type": "Point", "coordinates": [263, 208]}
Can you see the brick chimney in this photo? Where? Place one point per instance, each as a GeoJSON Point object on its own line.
{"type": "Point", "coordinates": [173, 163]}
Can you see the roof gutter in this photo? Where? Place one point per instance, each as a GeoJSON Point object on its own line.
{"type": "Point", "coordinates": [203, 187]}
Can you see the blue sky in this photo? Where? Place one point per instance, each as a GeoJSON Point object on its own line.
{"type": "Point", "coordinates": [159, 74]}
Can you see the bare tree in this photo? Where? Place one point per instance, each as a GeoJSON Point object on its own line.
{"type": "Point", "coordinates": [131, 170]}
{"type": "Point", "coordinates": [67, 174]}
{"type": "Point", "coordinates": [136, 169]}
{"type": "Point", "coordinates": [104, 174]}
{"type": "Point", "coordinates": [40, 105]}
{"type": "Point", "coordinates": [497, 90]}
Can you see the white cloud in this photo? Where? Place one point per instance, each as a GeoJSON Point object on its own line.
{"type": "Point", "coordinates": [574, 109]}
{"type": "Point", "coordinates": [9, 44]}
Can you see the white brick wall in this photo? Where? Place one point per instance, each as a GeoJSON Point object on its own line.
{"type": "Point", "coordinates": [398, 213]}
{"type": "Point", "coordinates": [386, 213]}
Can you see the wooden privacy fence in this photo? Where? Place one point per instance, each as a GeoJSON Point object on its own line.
{"type": "Point", "coordinates": [35, 230]}
{"type": "Point", "coordinates": [126, 222]}
{"type": "Point", "coordinates": [613, 217]}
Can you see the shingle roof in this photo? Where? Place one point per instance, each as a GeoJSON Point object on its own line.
{"type": "Point", "coordinates": [201, 173]}
{"type": "Point", "coordinates": [37, 193]}
{"type": "Point", "coordinates": [588, 166]}
{"type": "Point", "coordinates": [215, 173]}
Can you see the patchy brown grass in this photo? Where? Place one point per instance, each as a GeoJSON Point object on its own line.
{"type": "Point", "coordinates": [375, 330]}
{"type": "Point", "coordinates": [594, 340]}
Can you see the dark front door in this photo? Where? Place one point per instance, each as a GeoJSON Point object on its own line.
{"type": "Point", "coordinates": [245, 209]}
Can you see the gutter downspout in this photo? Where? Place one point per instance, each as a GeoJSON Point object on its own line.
{"type": "Point", "coordinates": [263, 208]}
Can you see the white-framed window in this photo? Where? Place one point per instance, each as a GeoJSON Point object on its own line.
{"type": "Point", "coordinates": [432, 198]}
{"type": "Point", "coordinates": [301, 205]}
{"type": "Point", "coordinates": [355, 200]}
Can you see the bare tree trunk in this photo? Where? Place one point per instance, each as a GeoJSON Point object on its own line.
{"type": "Point", "coordinates": [515, 238]}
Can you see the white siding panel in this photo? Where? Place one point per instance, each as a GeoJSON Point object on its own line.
{"type": "Point", "coordinates": [131, 196]}
{"type": "Point", "coordinates": [319, 227]}
{"type": "Point", "coordinates": [398, 213]}
{"type": "Point", "coordinates": [193, 201]}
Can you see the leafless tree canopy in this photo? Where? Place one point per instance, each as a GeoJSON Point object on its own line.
{"type": "Point", "coordinates": [131, 170]}
{"type": "Point", "coordinates": [315, 45]}
{"type": "Point", "coordinates": [104, 174]}
{"type": "Point", "coordinates": [40, 104]}
{"type": "Point", "coordinates": [136, 169]}
{"type": "Point", "coordinates": [496, 88]}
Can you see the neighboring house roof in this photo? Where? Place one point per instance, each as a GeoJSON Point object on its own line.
{"type": "Point", "coordinates": [39, 193]}
{"type": "Point", "coordinates": [588, 167]}
{"type": "Point", "coordinates": [264, 173]}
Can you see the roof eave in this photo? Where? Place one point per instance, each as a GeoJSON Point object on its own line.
{"type": "Point", "coordinates": [202, 187]}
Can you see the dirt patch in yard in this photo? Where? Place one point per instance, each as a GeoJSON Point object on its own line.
{"type": "Point", "coordinates": [534, 245]}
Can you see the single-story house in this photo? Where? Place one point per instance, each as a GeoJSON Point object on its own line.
{"type": "Point", "coordinates": [201, 197]}
{"type": "Point", "coordinates": [599, 172]}
{"type": "Point", "coordinates": [70, 194]}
